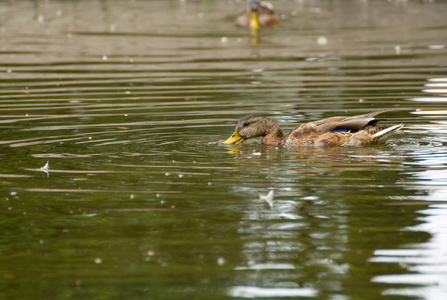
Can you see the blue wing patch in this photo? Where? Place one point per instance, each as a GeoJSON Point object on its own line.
{"type": "Point", "coordinates": [340, 130]}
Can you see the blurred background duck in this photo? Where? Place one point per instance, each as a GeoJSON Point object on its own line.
{"type": "Point", "coordinates": [258, 13]}
{"type": "Point", "coordinates": [330, 132]}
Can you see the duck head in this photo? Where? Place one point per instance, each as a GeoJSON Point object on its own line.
{"type": "Point", "coordinates": [253, 8]}
{"type": "Point", "coordinates": [252, 126]}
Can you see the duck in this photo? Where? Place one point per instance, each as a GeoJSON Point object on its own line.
{"type": "Point", "coordinates": [330, 132]}
{"type": "Point", "coordinates": [258, 13]}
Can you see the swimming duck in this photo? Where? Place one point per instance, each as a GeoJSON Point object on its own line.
{"type": "Point", "coordinates": [258, 13]}
{"type": "Point", "coordinates": [329, 132]}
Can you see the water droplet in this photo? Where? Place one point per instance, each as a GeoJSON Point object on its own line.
{"type": "Point", "coordinates": [322, 40]}
{"type": "Point", "coordinates": [220, 261]}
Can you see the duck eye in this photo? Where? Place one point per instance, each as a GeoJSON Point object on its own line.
{"type": "Point", "coordinates": [246, 124]}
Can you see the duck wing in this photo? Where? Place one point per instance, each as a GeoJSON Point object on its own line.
{"type": "Point", "coordinates": [308, 132]}
{"type": "Point", "coordinates": [349, 123]}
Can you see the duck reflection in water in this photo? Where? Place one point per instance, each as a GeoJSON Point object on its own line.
{"type": "Point", "coordinates": [330, 132]}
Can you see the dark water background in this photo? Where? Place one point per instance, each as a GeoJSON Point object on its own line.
{"type": "Point", "coordinates": [128, 101]}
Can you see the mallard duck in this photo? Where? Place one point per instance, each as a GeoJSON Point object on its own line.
{"type": "Point", "coordinates": [258, 13]}
{"type": "Point", "coordinates": [330, 132]}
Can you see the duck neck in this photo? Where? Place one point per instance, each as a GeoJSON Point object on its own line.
{"type": "Point", "coordinates": [274, 135]}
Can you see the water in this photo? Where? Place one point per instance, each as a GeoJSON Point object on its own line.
{"type": "Point", "coordinates": [128, 103]}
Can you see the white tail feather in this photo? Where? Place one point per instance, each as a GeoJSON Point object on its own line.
{"type": "Point", "coordinates": [388, 130]}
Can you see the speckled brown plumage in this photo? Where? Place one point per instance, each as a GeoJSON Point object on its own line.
{"type": "Point", "coordinates": [329, 132]}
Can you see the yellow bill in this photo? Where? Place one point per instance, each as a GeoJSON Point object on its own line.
{"type": "Point", "coordinates": [235, 138]}
{"type": "Point", "coordinates": [254, 23]}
